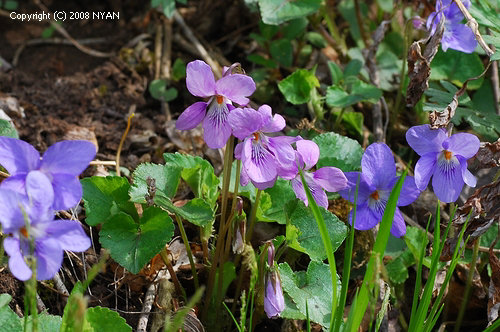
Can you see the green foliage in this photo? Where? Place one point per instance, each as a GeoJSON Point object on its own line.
{"type": "Point", "coordinates": [196, 211]}
{"type": "Point", "coordinates": [74, 311]}
{"type": "Point", "coordinates": [280, 11]}
{"type": "Point", "coordinates": [302, 231]}
{"type": "Point", "coordinates": [279, 194]}
{"type": "Point", "coordinates": [9, 4]}
{"type": "Point", "coordinates": [315, 286]}
{"type": "Point", "coordinates": [359, 91]}
{"type": "Point", "coordinates": [198, 173]}
{"type": "Point", "coordinates": [8, 319]}
{"type": "Point", "coordinates": [104, 197]}
{"type": "Point", "coordinates": [46, 323]}
{"type": "Point", "coordinates": [457, 67]}
{"type": "Point", "coordinates": [351, 121]}
{"type": "Point", "coordinates": [158, 90]}
{"type": "Point", "coordinates": [338, 151]}
{"type": "Point", "coordinates": [133, 244]}
{"type": "Point", "coordinates": [282, 51]}
{"type": "Point", "coordinates": [178, 70]}
{"type": "Point", "coordinates": [7, 129]}
{"type": "Point", "coordinates": [166, 181]}
{"type": "Point", "coordinates": [103, 319]}
{"type": "Point", "coordinates": [297, 88]}
{"type": "Point", "coordinates": [483, 120]}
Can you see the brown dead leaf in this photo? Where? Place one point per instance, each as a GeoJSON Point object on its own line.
{"type": "Point", "coordinates": [419, 68]}
{"type": "Point", "coordinates": [488, 155]}
{"type": "Point", "coordinates": [494, 289]}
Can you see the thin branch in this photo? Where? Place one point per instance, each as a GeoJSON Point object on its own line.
{"type": "Point", "coordinates": [146, 308]}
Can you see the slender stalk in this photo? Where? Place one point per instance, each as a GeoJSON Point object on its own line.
{"type": "Point", "coordinates": [228, 161]}
{"type": "Point", "coordinates": [168, 263]}
{"type": "Point", "coordinates": [325, 236]}
{"type": "Point", "coordinates": [253, 215]}
{"type": "Point", "coordinates": [188, 251]}
{"type": "Point", "coordinates": [347, 265]}
{"type": "Point", "coordinates": [118, 153]}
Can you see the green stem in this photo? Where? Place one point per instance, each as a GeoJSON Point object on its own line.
{"type": "Point", "coordinates": [188, 251]}
{"type": "Point", "coordinates": [253, 215]}
{"type": "Point", "coordinates": [347, 264]}
{"type": "Point", "coordinates": [465, 300]}
{"type": "Point", "coordinates": [325, 236]}
{"type": "Point", "coordinates": [228, 161]}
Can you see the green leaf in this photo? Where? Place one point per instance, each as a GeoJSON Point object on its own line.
{"type": "Point", "coordinates": [166, 180]}
{"type": "Point", "coordinates": [315, 286]}
{"type": "Point", "coordinates": [295, 28]}
{"type": "Point", "coordinates": [298, 86]}
{"type": "Point", "coordinates": [133, 244]}
{"type": "Point", "coordinates": [158, 90]}
{"type": "Point", "coordinates": [260, 60]}
{"type": "Point", "coordinates": [196, 211]}
{"type": "Point", "coordinates": [335, 72]}
{"type": "Point", "coordinates": [178, 70]}
{"type": "Point", "coordinates": [457, 67]}
{"type": "Point", "coordinates": [279, 11]}
{"type": "Point", "coordinates": [282, 51]}
{"type": "Point", "coordinates": [279, 195]}
{"type": "Point", "coordinates": [360, 91]}
{"type": "Point", "coordinates": [353, 68]}
{"type": "Point", "coordinates": [9, 321]}
{"type": "Point", "coordinates": [338, 151]}
{"type": "Point", "coordinates": [198, 173]}
{"type": "Point", "coordinates": [397, 269]}
{"type": "Point", "coordinates": [99, 319]}
{"type": "Point", "coordinates": [104, 197]}
{"type": "Point", "coordinates": [73, 316]}
{"type": "Point", "coordinates": [6, 129]}
{"type": "Point", "coordinates": [316, 39]}
{"type": "Point", "coordinates": [352, 122]}
{"type": "Point", "coordinates": [386, 5]}
{"type": "Point", "coordinates": [46, 323]}
{"type": "Point", "coordinates": [302, 230]}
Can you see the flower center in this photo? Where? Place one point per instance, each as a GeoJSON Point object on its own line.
{"type": "Point", "coordinates": [447, 154]}
{"type": "Point", "coordinates": [24, 232]}
{"type": "Point", "coordinates": [219, 99]}
{"type": "Point", "coordinates": [256, 136]}
{"type": "Point", "coordinates": [375, 195]}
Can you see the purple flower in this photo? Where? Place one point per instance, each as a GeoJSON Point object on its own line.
{"type": "Point", "coordinates": [263, 158]}
{"type": "Point", "coordinates": [326, 178]}
{"type": "Point", "coordinates": [200, 82]}
{"type": "Point", "coordinates": [274, 302]}
{"type": "Point", "coordinates": [61, 164]}
{"type": "Point", "coordinates": [378, 177]}
{"type": "Point", "coordinates": [29, 222]}
{"type": "Point", "coordinates": [456, 35]}
{"type": "Point", "coordinates": [444, 158]}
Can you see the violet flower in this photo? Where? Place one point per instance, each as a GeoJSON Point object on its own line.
{"type": "Point", "coordinates": [61, 164]}
{"type": "Point", "coordinates": [29, 222]}
{"type": "Point", "coordinates": [378, 177]}
{"type": "Point", "coordinates": [456, 35]}
{"type": "Point", "coordinates": [326, 178]}
{"type": "Point", "coordinates": [444, 158]}
{"type": "Point", "coordinates": [274, 301]}
{"type": "Point", "coordinates": [263, 158]}
{"type": "Point", "coordinates": [200, 82]}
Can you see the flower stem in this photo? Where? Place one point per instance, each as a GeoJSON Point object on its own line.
{"type": "Point", "coordinates": [118, 153]}
{"type": "Point", "coordinates": [188, 251]}
{"type": "Point", "coordinates": [468, 284]}
{"type": "Point", "coordinates": [253, 215]}
{"type": "Point", "coordinates": [327, 243]}
{"type": "Point", "coordinates": [219, 246]}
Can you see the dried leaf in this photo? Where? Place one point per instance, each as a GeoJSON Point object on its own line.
{"type": "Point", "coordinates": [488, 155]}
{"type": "Point", "coordinates": [419, 68]}
{"type": "Point", "coordinates": [494, 289]}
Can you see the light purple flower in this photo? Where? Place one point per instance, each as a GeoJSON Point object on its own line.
{"type": "Point", "coordinates": [377, 180]}
{"type": "Point", "coordinates": [444, 158]}
{"type": "Point", "coordinates": [326, 178]}
{"type": "Point", "coordinates": [48, 237]}
{"type": "Point", "coordinates": [201, 82]}
{"type": "Point", "coordinates": [456, 35]}
{"type": "Point", "coordinates": [263, 158]}
{"type": "Point", "coordinates": [274, 301]}
{"type": "Point", "coordinates": [61, 164]}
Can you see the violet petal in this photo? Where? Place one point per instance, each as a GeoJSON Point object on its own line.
{"type": "Point", "coordinates": [236, 88]}
{"type": "Point", "coordinates": [68, 157]}
{"type": "Point", "coordinates": [17, 156]}
{"type": "Point", "coordinates": [17, 265]}
{"type": "Point", "coordinates": [200, 80]}
{"type": "Point", "coordinates": [424, 140]}
{"type": "Point", "coordinates": [331, 179]}
{"type": "Point", "coordinates": [192, 116]}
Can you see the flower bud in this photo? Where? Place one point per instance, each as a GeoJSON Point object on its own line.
{"type": "Point", "coordinates": [274, 302]}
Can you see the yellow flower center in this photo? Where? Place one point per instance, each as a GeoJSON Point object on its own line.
{"type": "Point", "coordinates": [375, 195]}
{"type": "Point", "coordinates": [219, 99]}
{"type": "Point", "coordinates": [447, 154]}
